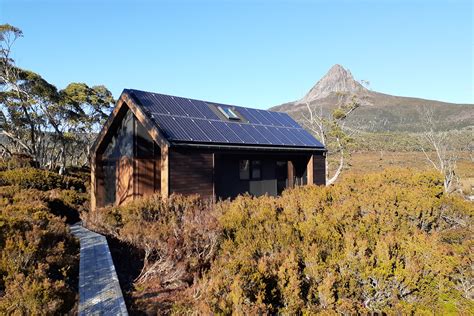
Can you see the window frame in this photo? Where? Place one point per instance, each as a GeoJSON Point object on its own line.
{"type": "Point", "coordinates": [247, 170]}
{"type": "Point", "coordinates": [251, 166]}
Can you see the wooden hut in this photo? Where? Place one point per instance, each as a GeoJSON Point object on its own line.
{"type": "Point", "coordinates": [155, 143]}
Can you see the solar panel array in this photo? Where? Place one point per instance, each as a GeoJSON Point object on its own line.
{"type": "Point", "coordinates": [188, 120]}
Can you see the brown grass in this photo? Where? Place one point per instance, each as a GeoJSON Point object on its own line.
{"type": "Point", "coordinates": [376, 161]}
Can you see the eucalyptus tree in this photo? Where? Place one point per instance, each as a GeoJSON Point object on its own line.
{"type": "Point", "coordinates": [42, 121]}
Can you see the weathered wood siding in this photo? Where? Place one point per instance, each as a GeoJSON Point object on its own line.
{"type": "Point", "coordinates": [97, 186]}
{"type": "Point", "coordinates": [125, 183]}
{"type": "Point", "coordinates": [191, 172]}
{"type": "Point", "coordinates": [147, 176]}
{"type": "Point", "coordinates": [319, 169]}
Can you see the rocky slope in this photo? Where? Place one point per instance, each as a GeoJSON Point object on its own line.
{"type": "Point", "coordinates": [336, 80]}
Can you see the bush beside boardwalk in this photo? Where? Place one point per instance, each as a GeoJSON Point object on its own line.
{"type": "Point", "coordinates": [39, 258]}
{"type": "Point", "coordinates": [386, 242]}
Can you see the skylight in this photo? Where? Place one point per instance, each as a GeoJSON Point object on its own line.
{"type": "Point", "coordinates": [228, 112]}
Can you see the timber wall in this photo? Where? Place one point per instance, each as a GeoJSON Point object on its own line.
{"type": "Point", "coordinates": [191, 172]}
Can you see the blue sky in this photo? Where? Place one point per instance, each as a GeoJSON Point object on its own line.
{"type": "Point", "coordinates": [251, 53]}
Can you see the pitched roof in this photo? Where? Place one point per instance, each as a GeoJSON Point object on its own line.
{"type": "Point", "coordinates": [183, 120]}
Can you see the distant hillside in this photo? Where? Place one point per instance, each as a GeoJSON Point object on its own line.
{"type": "Point", "coordinates": [383, 112]}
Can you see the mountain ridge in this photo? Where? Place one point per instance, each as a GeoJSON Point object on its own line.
{"type": "Point", "coordinates": [380, 112]}
{"type": "Point", "coordinates": [337, 79]}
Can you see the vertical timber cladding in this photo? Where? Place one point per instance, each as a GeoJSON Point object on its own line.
{"type": "Point", "coordinates": [124, 182]}
{"type": "Point", "coordinates": [291, 174]}
{"type": "Point", "coordinates": [147, 175]}
{"type": "Point", "coordinates": [318, 168]}
{"type": "Point", "coordinates": [97, 185]}
{"type": "Point", "coordinates": [147, 162]}
{"type": "Point", "coordinates": [191, 171]}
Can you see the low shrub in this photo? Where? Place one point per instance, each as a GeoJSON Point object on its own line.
{"type": "Point", "coordinates": [376, 243]}
{"type": "Point", "coordinates": [65, 204]}
{"type": "Point", "coordinates": [178, 236]}
{"type": "Point", "coordinates": [38, 259]}
{"type": "Point", "coordinates": [16, 161]}
{"type": "Point", "coordinates": [371, 244]}
{"type": "Point", "coordinates": [32, 178]}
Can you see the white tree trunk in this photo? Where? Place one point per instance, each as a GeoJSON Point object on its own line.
{"type": "Point", "coordinates": [339, 168]}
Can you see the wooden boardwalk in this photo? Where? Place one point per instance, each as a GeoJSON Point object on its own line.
{"type": "Point", "coordinates": [99, 288]}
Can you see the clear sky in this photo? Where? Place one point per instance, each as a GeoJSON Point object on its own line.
{"type": "Point", "coordinates": [251, 53]}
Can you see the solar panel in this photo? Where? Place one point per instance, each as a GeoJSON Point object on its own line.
{"type": "Point", "coordinates": [190, 120]}
{"type": "Point", "coordinates": [259, 137]}
{"type": "Point", "coordinates": [182, 108]}
{"type": "Point", "coordinates": [191, 109]}
{"type": "Point", "coordinates": [269, 135]}
{"type": "Point", "coordinates": [153, 106]}
{"type": "Point", "coordinates": [281, 135]}
{"type": "Point", "coordinates": [214, 134]}
{"type": "Point", "coordinates": [242, 133]}
{"type": "Point", "coordinates": [202, 107]}
{"type": "Point", "coordinates": [261, 118]}
{"type": "Point", "coordinates": [169, 127]}
{"type": "Point", "coordinates": [308, 138]}
{"type": "Point", "coordinates": [192, 129]}
{"type": "Point", "coordinates": [246, 113]}
{"type": "Point", "coordinates": [151, 103]}
{"type": "Point", "coordinates": [227, 132]}
{"type": "Point", "coordinates": [285, 120]}
{"type": "Point", "coordinates": [174, 107]}
{"type": "Point", "coordinates": [293, 136]}
{"type": "Point", "coordinates": [275, 118]}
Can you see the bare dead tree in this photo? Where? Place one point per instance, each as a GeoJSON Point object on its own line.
{"type": "Point", "coordinates": [331, 129]}
{"type": "Point", "coordinates": [439, 149]}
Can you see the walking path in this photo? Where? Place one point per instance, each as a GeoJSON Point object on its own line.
{"type": "Point", "coordinates": [99, 288]}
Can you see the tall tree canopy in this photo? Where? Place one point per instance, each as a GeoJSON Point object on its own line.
{"type": "Point", "coordinates": [42, 121]}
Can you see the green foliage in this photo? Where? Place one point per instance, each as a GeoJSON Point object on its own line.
{"type": "Point", "coordinates": [38, 119]}
{"type": "Point", "coordinates": [9, 30]}
{"type": "Point", "coordinates": [32, 178]}
{"type": "Point", "coordinates": [380, 243]}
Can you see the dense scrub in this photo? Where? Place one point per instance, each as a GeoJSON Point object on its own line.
{"type": "Point", "coordinates": [384, 243]}
{"type": "Point", "coordinates": [32, 178]}
{"type": "Point", "coordinates": [178, 238]}
{"type": "Point", "coordinates": [38, 255]}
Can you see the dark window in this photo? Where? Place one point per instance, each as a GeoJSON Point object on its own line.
{"type": "Point", "coordinates": [256, 169]}
{"type": "Point", "coordinates": [250, 169]}
{"type": "Point", "coordinates": [121, 143]}
{"type": "Point", "coordinates": [110, 178]}
{"type": "Point", "coordinates": [143, 141]}
{"type": "Point", "coordinates": [282, 176]}
{"type": "Point", "coordinates": [244, 169]}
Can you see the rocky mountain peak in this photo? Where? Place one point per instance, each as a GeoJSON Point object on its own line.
{"type": "Point", "coordinates": [337, 79]}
